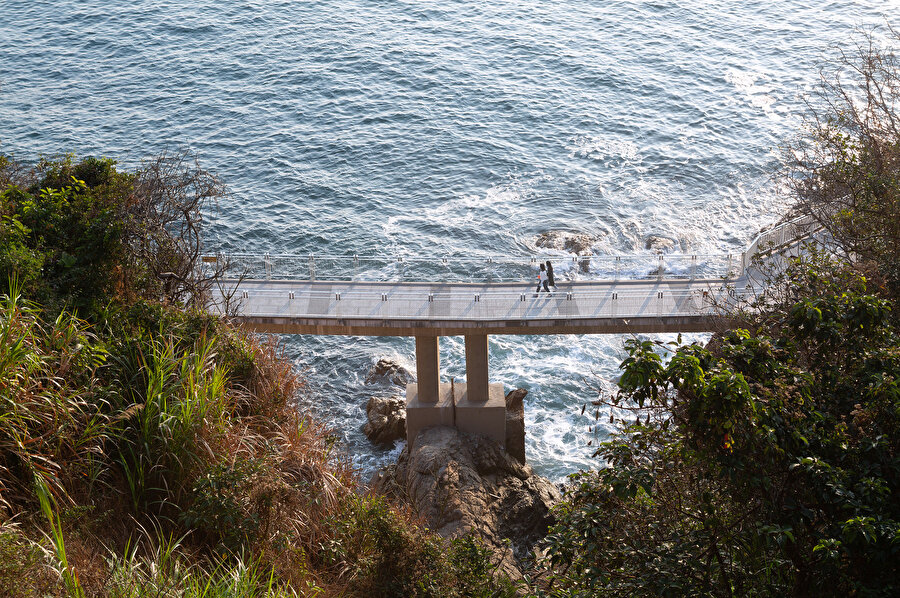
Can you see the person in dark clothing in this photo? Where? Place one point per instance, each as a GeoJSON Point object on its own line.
{"type": "Point", "coordinates": [550, 280]}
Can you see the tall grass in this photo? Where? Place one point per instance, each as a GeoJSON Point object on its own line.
{"type": "Point", "coordinates": [164, 571]}
{"type": "Point", "coordinates": [195, 435]}
{"type": "Point", "coordinates": [67, 572]}
{"type": "Point", "coordinates": [163, 443]}
{"type": "Point", "coordinates": [47, 418]}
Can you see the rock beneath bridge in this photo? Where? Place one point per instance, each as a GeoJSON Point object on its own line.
{"type": "Point", "coordinates": [466, 484]}
{"type": "Point", "coordinates": [387, 420]}
{"type": "Point", "coordinates": [391, 371]}
{"type": "Point", "coordinates": [515, 424]}
{"type": "Point", "coordinates": [660, 244]}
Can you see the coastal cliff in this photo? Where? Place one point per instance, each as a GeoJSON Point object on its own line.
{"type": "Point", "coordinates": [463, 485]}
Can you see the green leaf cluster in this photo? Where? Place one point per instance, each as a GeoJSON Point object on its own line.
{"type": "Point", "coordinates": [767, 463]}
{"type": "Point", "coordinates": [62, 233]}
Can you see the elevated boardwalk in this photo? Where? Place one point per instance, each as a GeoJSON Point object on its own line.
{"type": "Point", "coordinates": [360, 308]}
{"type": "Point", "coordinates": [594, 295]}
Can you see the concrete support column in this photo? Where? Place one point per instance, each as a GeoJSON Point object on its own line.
{"type": "Point", "coordinates": [428, 368]}
{"type": "Point", "coordinates": [428, 402]}
{"type": "Point", "coordinates": [480, 406]}
{"type": "Point", "coordinates": [477, 367]}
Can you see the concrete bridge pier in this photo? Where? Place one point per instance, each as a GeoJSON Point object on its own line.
{"type": "Point", "coordinates": [474, 406]}
{"type": "Point", "coordinates": [480, 406]}
{"type": "Point", "coordinates": [428, 402]}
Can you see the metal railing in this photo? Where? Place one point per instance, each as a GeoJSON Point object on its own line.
{"type": "Point", "coordinates": [507, 268]}
{"type": "Point", "coordinates": [519, 304]}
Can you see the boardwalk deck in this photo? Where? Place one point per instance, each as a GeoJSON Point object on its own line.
{"type": "Point", "coordinates": [447, 309]}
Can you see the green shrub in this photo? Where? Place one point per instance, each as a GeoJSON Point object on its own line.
{"type": "Point", "coordinates": [20, 560]}
{"type": "Point", "coordinates": [221, 504]}
{"type": "Point", "coordinates": [377, 552]}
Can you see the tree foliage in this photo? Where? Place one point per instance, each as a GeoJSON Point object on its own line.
{"type": "Point", "coordinates": [84, 233]}
{"type": "Point", "coordinates": [764, 464]}
{"type": "Point", "coordinates": [845, 168]}
{"type": "Point", "coordinates": [767, 463]}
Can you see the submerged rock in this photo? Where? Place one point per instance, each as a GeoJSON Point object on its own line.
{"type": "Point", "coordinates": [466, 484]}
{"type": "Point", "coordinates": [577, 243]}
{"type": "Point", "coordinates": [387, 369]}
{"type": "Point", "coordinates": [660, 244]}
{"type": "Point", "coordinates": [387, 420]}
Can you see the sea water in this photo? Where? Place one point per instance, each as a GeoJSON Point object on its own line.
{"type": "Point", "coordinates": [416, 127]}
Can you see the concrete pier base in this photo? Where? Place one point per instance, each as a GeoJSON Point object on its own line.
{"type": "Point", "coordinates": [428, 368]}
{"type": "Point", "coordinates": [477, 367]}
{"type": "Point", "coordinates": [421, 413]}
{"type": "Point", "coordinates": [486, 417]}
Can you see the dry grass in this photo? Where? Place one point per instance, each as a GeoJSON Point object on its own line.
{"type": "Point", "coordinates": [177, 467]}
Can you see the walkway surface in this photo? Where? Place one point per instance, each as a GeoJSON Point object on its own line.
{"type": "Point", "coordinates": [450, 309]}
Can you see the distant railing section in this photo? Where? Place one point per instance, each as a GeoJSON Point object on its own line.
{"type": "Point", "coordinates": [476, 269]}
{"type": "Point", "coordinates": [785, 234]}
{"type": "Point", "coordinates": [507, 268]}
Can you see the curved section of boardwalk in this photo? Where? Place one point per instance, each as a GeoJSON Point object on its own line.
{"type": "Point", "coordinates": [449, 309]}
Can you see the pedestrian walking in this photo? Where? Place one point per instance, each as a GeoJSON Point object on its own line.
{"type": "Point", "coordinates": [542, 280]}
{"type": "Point", "coordinates": [550, 280]}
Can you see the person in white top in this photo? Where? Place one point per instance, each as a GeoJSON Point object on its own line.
{"type": "Point", "coordinates": [542, 280]}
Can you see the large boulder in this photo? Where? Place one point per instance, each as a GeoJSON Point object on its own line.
{"type": "Point", "coordinates": [387, 420]}
{"type": "Point", "coordinates": [393, 372]}
{"type": "Point", "coordinates": [466, 484]}
{"type": "Point", "coordinates": [660, 244]}
{"type": "Point", "coordinates": [515, 424]}
{"type": "Point", "coordinates": [577, 243]}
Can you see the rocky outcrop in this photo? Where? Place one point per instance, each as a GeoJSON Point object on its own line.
{"type": "Point", "coordinates": [660, 244]}
{"type": "Point", "coordinates": [577, 243]}
{"type": "Point", "coordinates": [515, 424]}
{"type": "Point", "coordinates": [387, 420]}
{"type": "Point", "coordinates": [462, 484]}
{"type": "Point", "coordinates": [391, 371]}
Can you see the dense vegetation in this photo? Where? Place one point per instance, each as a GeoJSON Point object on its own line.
{"type": "Point", "coordinates": [767, 463]}
{"type": "Point", "coordinates": [149, 449]}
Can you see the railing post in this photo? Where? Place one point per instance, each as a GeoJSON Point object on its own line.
{"type": "Point", "coordinates": [660, 267]}
{"type": "Point", "coordinates": [693, 267]}
{"type": "Point", "coordinates": [355, 265]}
{"type": "Point", "coordinates": [728, 268]}
{"type": "Point", "coordinates": [312, 267]}
{"type": "Point", "coordinates": [617, 267]}
{"type": "Point", "coordinates": [268, 264]}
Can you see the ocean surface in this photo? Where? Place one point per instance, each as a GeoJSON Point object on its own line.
{"type": "Point", "coordinates": [419, 127]}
